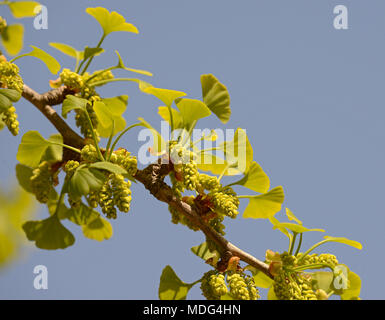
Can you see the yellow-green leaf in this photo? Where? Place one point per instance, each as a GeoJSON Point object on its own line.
{"type": "Point", "coordinates": [352, 243]}
{"type": "Point", "coordinates": [354, 287]}
{"type": "Point", "coordinates": [255, 179]}
{"type": "Point", "coordinates": [122, 66]}
{"type": "Point", "coordinates": [171, 287]}
{"type": "Point", "coordinates": [296, 227]}
{"type": "Point", "coordinates": [68, 50]}
{"type": "Point", "coordinates": [191, 110]}
{"type": "Point", "coordinates": [271, 294]}
{"type": "Point", "coordinates": [23, 175]}
{"type": "Point", "coordinates": [48, 234]}
{"type": "Point", "coordinates": [165, 114]}
{"type": "Point", "coordinates": [276, 225]}
{"type": "Point", "coordinates": [23, 9]}
{"type": "Point", "coordinates": [109, 113]}
{"type": "Point", "coordinates": [261, 280]}
{"type": "Point", "coordinates": [216, 97]}
{"type": "Point", "coordinates": [165, 95]}
{"type": "Point", "coordinates": [98, 229]}
{"type": "Point", "coordinates": [159, 143]}
{"type": "Point", "coordinates": [214, 164]}
{"type": "Point", "coordinates": [73, 103]}
{"type": "Point", "coordinates": [238, 150]}
{"type": "Point", "coordinates": [291, 216]}
{"type": "Point", "coordinates": [31, 148]}
{"type": "Point", "coordinates": [266, 205]}
{"type": "Point", "coordinates": [203, 252]}
{"type": "Point", "coordinates": [51, 63]}
{"type": "Point", "coordinates": [12, 38]}
{"type": "Point", "coordinates": [111, 21]}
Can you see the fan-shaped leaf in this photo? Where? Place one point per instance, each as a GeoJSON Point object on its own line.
{"type": "Point", "coordinates": [255, 179]}
{"type": "Point", "coordinates": [48, 234]}
{"type": "Point", "coordinates": [171, 287]}
{"type": "Point", "coordinates": [12, 38]}
{"type": "Point", "coordinates": [73, 103]}
{"type": "Point", "coordinates": [352, 243]}
{"type": "Point", "coordinates": [192, 110]}
{"type": "Point", "coordinates": [111, 21]}
{"type": "Point", "coordinates": [266, 205]}
{"type": "Point", "coordinates": [23, 9]}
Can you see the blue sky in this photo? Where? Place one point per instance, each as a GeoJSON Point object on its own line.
{"type": "Point", "coordinates": [310, 97]}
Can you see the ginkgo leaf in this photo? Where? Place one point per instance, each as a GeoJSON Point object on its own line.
{"type": "Point", "coordinates": [271, 294]}
{"type": "Point", "coordinates": [203, 252]}
{"type": "Point", "coordinates": [261, 280]}
{"type": "Point", "coordinates": [165, 95]}
{"type": "Point", "coordinates": [255, 179]}
{"type": "Point", "coordinates": [296, 227]}
{"type": "Point", "coordinates": [31, 148]}
{"type": "Point", "coordinates": [23, 175]}
{"type": "Point", "coordinates": [90, 52]}
{"type": "Point", "coordinates": [159, 143]}
{"type": "Point", "coordinates": [191, 110]}
{"type": "Point", "coordinates": [109, 113]}
{"type": "Point", "coordinates": [108, 166]}
{"type": "Point", "coordinates": [322, 280]}
{"type": "Point", "coordinates": [216, 97]}
{"type": "Point", "coordinates": [73, 103]}
{"type": "Point", "coordinates": [48, 234]}
{"type": "Point", "coordinates": [52, 64]}
{"type": "Point", "coordinates": [121, 65]}
{"type": "Point", "coordinates": [291, 216]}
{"type": "Point", "coordinates": [165, 114]}
{"type": "Point", "coordinates": [111, 21]}
{"type": "Point", "coordinates": [98, 229]}
{"type": "Point", "coordinates": [352, 243]}
{"type": "Point", "coordinates": [23, 9]}
{"type": "Point", "coordinates": [171, 287]}
{"type": "Point", "coordinates": [68, 50]}
{"type": "Point", "coordinates": [265, 205]}
{"type": "Point", "coordinates": [276, 225]}
{"type": "Point", "coordinates": [238, 150]}
{"type": "Point", "coordinates": [12, 38]}
{"type": "Point", "coordinates": [354, 288]}
{"type": "Point", "coordinates": [214, 164]}
{"type": "Point", "coordinates": [85, 180]}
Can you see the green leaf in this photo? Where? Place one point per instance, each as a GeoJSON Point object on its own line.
{"type": "Point", "coordinates": [109, 113]}
{"type": "Point", "coordinates": [32, 148]}
{"type": "Point", "coordinates": [82, 215]}
{"type": "Point", "coordinates": [23, 9]}
{"type": "Point", "coordinates": [111, 21]}
{"type": "Point", "coordinates": [322, 280]}
{"type": "Point", "coordinates": [48, 234]}
{"type": "Point", "coordinates": [159, 143]}
{"type": "Point", "coordinates": [296, 227]}
{"type": "Point", "coordinates": [291, 216]}
{"type": "Point", "coordinates": [23, 175]}
{"type": "Point", "coordinates": [214, 164]}
{"type": "Point", "coordinates": [203, 252]}
{"type": "Point", "coordinates": [2, 124]}
{"type": "Point", "coordinates": [216, 97]}
{"type": "Point", "coordinates": [68, 50]}
{"type": "Point", "coordinates": [85, 180]}
{"type": "Point", "coordinates": [73, 103]}
{"type": "Point", "coordinates": [165, 95]}
{"type": "Point", "coordinates": [352, 243]}
{"type": "Point", "coordinates": [261, 280]}
{"type": "Point", "coordinates": [276, 225]}
{"type": "Point", "coordinates": [11, 94]}
{"type": "Point", "coordinates": [271, 294]}
{"type": "Point", "coordinates": [171, 287]}
{"type": "Point", "coordinates": [122, 66]}
{"type": "Point", "coordinates": [354, 288]}
{"type": "Point", "coordinates": [192, 110]}
{"type": "Point", "coordinates": [98, 229]}
{"type": "Point", "coordinates": [266, 205]}
{"type": "Point", "coordinates": [51, 63]}
{"type": "Point", "coordinates": [238, 150]}
{"type": "Point", "coordinates": [5, 103]}
{"type": "Point", "coordinates": [90, 52]}
{"type": "Point", "coordinates": [12, 38]}
{"type": "Point", "coordinates": [54, 152]}
{"type": "Point", "coordinates": [108, 166]}
{"type": "Point", "coordinates": [165, 114]}
{"type": "Point", "coordinates": [255, 179]}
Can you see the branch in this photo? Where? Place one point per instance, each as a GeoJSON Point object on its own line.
{"type": "Point", "coordinates": [43, 103]}
{"type": "Point", "coordinates": [152, 178]}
